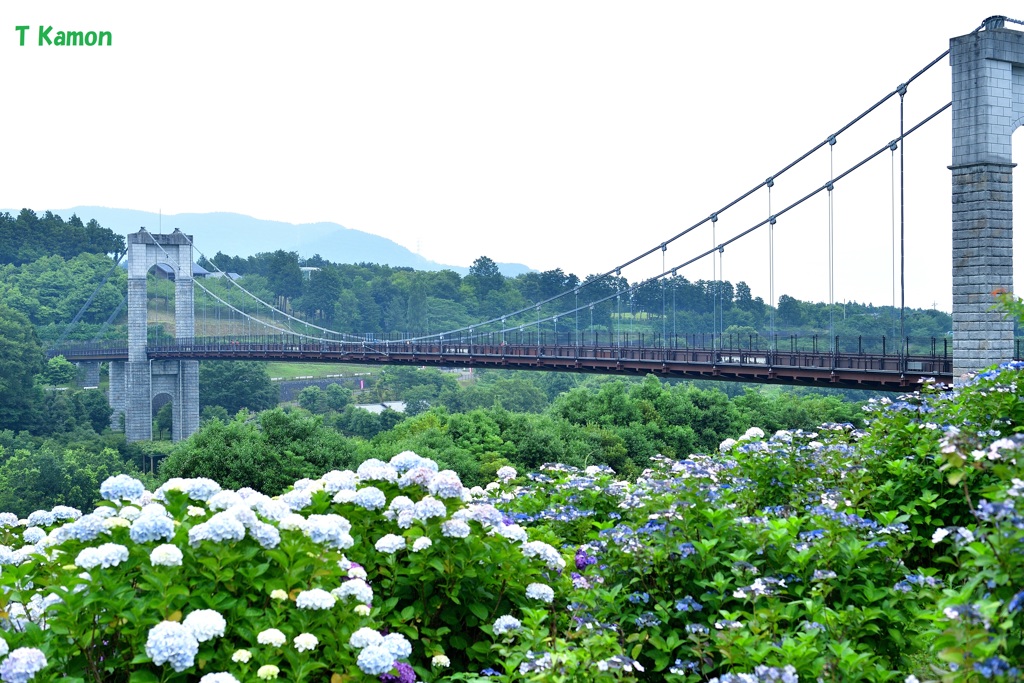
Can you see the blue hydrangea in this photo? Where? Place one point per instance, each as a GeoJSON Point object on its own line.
{"type": "Point", "coordinates": [445, 484]}
{"type": "Point", "coordinates": [172, 643]}
{"type": "Point", "coordinates": [152, 527]}
{"type": "Point", "coordinates": [8, 519]}
{"type": "Point", "coordinates": [540, 591]}
{"type": "Point", "coordinates": [504, 624]}
{"type": "Point", "coordinates": [455, 528]}
{"type": "Point", "coordinates": [390, 543]}
{"type": "Point", "coordinates": [106, 555]}
{"type": "Point", "coordinates": [121, 487]}
{"type": "Point", "coordinates": [364, 637]}
{"type": "Point", "coordinates": [267, 535]}
{"type": "Point", "coordinates": [545, 552]}
{"type": "Point", "coordinates": [376, 470]}
{"type": "Point", "coordinates": [64, 512]}
{"type": "Point", "coordinates": [427, 508]}
{"type": "Point", "coordinates": [397, 645]}
{"type": "Point", "coordinates": [355, 588]}
{"type": "Point", "coordinates": [86, 528]}
{"type": "Point", "coordinates": [33, 535]}
{"type": "Point", "coordinates": [205, 624]}
{"type": "Point", "coordinates": [222, 500]}
{"type": "Point", "coordinates": [218, 678]}
{"type": "Point", "coordinates": [199, 488]}
{"type": "Point", "coordinates": [22, 665]}
{"type": "Point", "coordinates": [335, 481]}
{"type": "Point", "coordinates": [41, 518]}
{"type": "Point", "coordinates": [331, 530]}
{"type": "Point", "coordinates": [407, 460]}
{"type": "Point", "coordinates": [315, 599]}
{"type": "Point", "coordinates": [223, 526]}
{"type": "Point", "coordinates": [297, 499]}
{"type": "Point", "coordinates": [375, 660]}
{"type": "Point", "coordinates": [370, 497]}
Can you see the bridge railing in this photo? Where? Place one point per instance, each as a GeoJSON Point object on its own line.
{"type": "Point", "coordinates": [931, 355]}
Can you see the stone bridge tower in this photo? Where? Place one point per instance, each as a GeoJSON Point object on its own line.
{"type": "Point", "coordinates": [988, 105]}
{"type": "Point", "coordinates": [134, 385]}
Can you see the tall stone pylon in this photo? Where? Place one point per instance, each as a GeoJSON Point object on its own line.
{"type": "Point", "coordinates": [135, 383]}
{"type": "Point", "coordinates": [988, 105]}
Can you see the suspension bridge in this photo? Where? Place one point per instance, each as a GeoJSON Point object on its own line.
{"type": "Point", "coordinates": [987, 106]}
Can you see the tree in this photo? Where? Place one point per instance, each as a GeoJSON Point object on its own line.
{"type": "Point", "coordinates": [164, 420]}
{"type": "Point", "coordinates": [59, 370]}
{"type": "Point", "coordinates": [21, 358]}
{"type": "Point", "coordinates": [789, 310]}
{"type": "Point", "coordinates": [234, 385]}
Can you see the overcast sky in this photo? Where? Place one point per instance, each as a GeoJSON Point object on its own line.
{"type": "Point", "coordinates": [556, 134]}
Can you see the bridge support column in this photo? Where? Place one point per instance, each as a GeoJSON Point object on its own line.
{"type": "Point", "coordinates": [116, 395]}
{"type": "Point", "coordinates": [89, 374]}
{"type": "Point", "coordinates": [145, 380]}
{"type": "Point", "coordinates": [138, 423]}
{"type": "Point", "coordinates": [988, 104]}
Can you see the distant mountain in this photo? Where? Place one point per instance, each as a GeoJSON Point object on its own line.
{"type": "Point", "coordinates": [238, 235]}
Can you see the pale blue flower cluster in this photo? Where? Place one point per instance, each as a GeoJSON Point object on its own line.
{"type": "Point", "coordinates": [418, 476]}
{"type": "Point", "coordinates": [22, 665]}
{"type": "Point", "coordinates": [106, 555]}
{"type": "Point", "coordinates": [371, 498]}
{"type": "Point", "coordinates": [205, 624]}
{"type": "Point", "coordinates": [376, 470]}
{"type": "Point", "coordinates": [365, 637]}
{"type": "Point", "coordinates": [166, 555]}
{"type": "Point", "coordinates": [397, 645]}
{"type": "Point", "coordinates": [223, 526]}
{"type": "Point", "coordinates": [222, 500]}
{"type": "Point", "coordinates": [85, 528]}
{"type": "Point", "coordinates": [762, 674]}
{"type": "Point", "coordinates": [540, 591]}
{"type": "Point", "coordinates": [545, 552]}
{"type": "Point", "coordinates": [218, 678]}
{"type": "Point", "coordinates": [64, 512]}
{"type": "Point", "coordinates": [389, 544]}
{"type": "Point", "coordinates": [455, 528]}
{"type": "Point", "coordinates": [152, 525]}
{"type": "Point", "coordinates": [484, 513]}
{"type": "Point", "coordinates": [331, 530]}
{"type": "Point", "coordinates": [407, 460]}
{"type": "Point", "coordinates": [315, 599]}
{"type": "Point", "coordinates": [199, 488]}
{"type": "Point", "coordinates": [33, 535]}
{"type": "Point", "coordinates": [506, 473]}
{"type": "Point", "coordinates": [170, 642]}
{"type": "Point", "coordinates": [445, 484]}
{"type": "Point", "coordinates": [335, 481]}
{"type": "Point", "coordinates": [375, 660]}
{"type": "Point", "coordinates": [428, 507]}
{"type": "Point", "coordinates": [8, 519]}
{"type": "Point", "coordinates": [505, 623]}
{"type": "Point", "coordinates": [355, 588]}
{"type": "Point", "coordinates": [121, 487]}
{"type": "Point", "coordinates": [41, 518]}
{"type": "Point", "coordinates": [297, 499]}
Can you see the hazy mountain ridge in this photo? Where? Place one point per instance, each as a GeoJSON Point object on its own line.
{"type": "Point", "coordinates": [240, 235]}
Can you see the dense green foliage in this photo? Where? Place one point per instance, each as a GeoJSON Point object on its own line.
{"type": "Point", "coordinates": [234, 385]}
{"type": "Point", "coordinates": [29, 237]}
{"type": "Point", "coordinates": [609, 422]}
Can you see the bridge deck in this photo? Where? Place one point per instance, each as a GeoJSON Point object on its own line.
{"type": "Point", "coordinates": [877, 372]}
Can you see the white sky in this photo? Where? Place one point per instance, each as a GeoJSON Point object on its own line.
{"type": "Point", "coordinates": [572, 134]}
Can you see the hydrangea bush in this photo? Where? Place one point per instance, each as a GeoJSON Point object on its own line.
{"type": "Point", "coordinates": [893, 553]}
{"type": "Point", "coordinates": [393, 572]}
